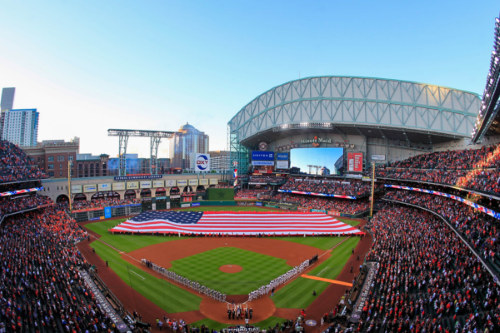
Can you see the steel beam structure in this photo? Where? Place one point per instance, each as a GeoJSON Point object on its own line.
{"type": "Point", "coordinates": [124, 134]}
{"type": "Point", "coordinates": [153, 163]}
{"type": "Point", "coordinates": [329, 103]}
{"type": "Point", "coordinates": [363, 101]}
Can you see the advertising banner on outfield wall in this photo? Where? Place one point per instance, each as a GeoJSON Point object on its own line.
{"type": "Point", "coordinates": [355, 162]}
{"type": "Point", "coordinates": [333, 213]}
{"type": "Point", "coordinates": [282, 156]}
{"type": "Point", "coordinates": [193, 182]}
{"type": "Point", "coordinates": [282, 164]}
{"type": "Point", "coordinates": [263, 163]}
{"type": "Point", "coordinates": [89, 188]}
{"type": "Point", "coordinates": [185, 205]}
{"type": "Point", "coordinates": [75, 189]}
{"type": "Point", "coordinates": [158, 183]}
{"type": "Point", "coordinates": [378, 157]}
{"type": "Point", "coordinates": [132, 185]}
{"type": "Point", "coordinates": [118, 186]}
{"type": "Point", "coordinates": [104, 187]}
{"type": "Point", "coordinates": [203, 181]}
{"type": "Point", "coordinates": [170, 183]}
{"type": "Point", "coordinates": [214, 181]}
{"type": "Point", "coordinates": [181, 182]}
{"type": "Point", "coordinates": [262, 155]}
{"type": "Point", "coordinates": [107, 212]}
{"type": "Point", "coordinates": [145, 184]}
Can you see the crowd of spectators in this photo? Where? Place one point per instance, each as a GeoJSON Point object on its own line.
{"type": "Point", "coordinates": [329, 186]}
{"type": "Point", "coordinates": [314, 202]}
{"type": "Point", "coordinates": [100, 203]}
{"type": "Point", "coordinates": [466, 159]}
{"type": "Point", "coordinates": [41, 289]}
{"type": "Point", "coordinates": [427, 280]}
{"type": "Point", "coordinates": [15, 165]}
{"type": "Point", "coordinates": [250, 193]}
{"type": "Point", "coordinates": [14, 204]}
{"type": "Point", "coordinates": [478, 228]}
{"type": "Point", "coordinates": [476, 169]}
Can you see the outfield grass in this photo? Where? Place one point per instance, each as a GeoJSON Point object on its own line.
{"type": "Point", "coordinates": [258, 269]}
{"type": "Point", "coordinates": [126, 243]}
{"type": "Point", "coordinates": [212, 324]}
{"type": "Point", "coordinates": [164, 294]}
{"type": "Point", "coordinates": [348, 221]}
{"type": "Point", "coordinates": [323, 243]}
{"type": "Point", "coordinates": [298, 293]}
{"type": "Point", "coordinates": [331, 267]}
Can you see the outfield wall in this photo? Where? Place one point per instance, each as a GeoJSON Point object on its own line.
{"type": "Point", "coordinates": [223, 194]}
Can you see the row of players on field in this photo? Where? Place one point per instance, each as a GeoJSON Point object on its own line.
{"type": "Point", "coordinates": [221, 297]}
{"type": "Point", "coordinates": [218, 296]}
{"type": "Point", "coordinates": [282, 279]}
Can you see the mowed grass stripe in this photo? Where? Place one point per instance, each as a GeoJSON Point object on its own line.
{"type": "Point", "coordinates": [258, 269]}
{"type": "Point", "coordinates": [162, 293]}
{"type": "Point", "coordinates": [298, 294]}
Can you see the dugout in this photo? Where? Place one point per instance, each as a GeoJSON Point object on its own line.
{"type": "Point", "coordinates": [146, 204]}
{"type": "Point", "coordinates": [161, 202]}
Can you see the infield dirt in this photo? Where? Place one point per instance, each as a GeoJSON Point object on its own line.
{"type": "Point", "coordinates": [163, 253]}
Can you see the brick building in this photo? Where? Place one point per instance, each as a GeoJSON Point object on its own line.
{"type": "Point", "coordinates": [52, 156]}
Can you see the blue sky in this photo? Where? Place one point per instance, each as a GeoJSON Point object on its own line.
{"type": "Point", "coordinates": [302, 157]}
{"type": "Point", "coordinates": [92, 65]}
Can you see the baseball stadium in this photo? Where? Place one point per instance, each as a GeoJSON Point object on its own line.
{"type": "Point", "coordinates": [353, 204]}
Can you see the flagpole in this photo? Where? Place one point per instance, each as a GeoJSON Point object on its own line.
{"type": "Point", "coordinates": [373, 189]}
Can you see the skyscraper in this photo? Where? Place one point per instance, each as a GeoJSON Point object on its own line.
{"type": "Point", "coordinates": [7, 102]}
{"type": "Point", "coordinates": [21, 127]}
{"type": "Point", "coordinates": [187, 141]}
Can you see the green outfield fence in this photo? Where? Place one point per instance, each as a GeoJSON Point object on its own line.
{"type": "Point", "coordinates": [223, 194]}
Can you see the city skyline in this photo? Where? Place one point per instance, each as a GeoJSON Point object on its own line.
{"type": "Point", "coordinates": [86, 78]}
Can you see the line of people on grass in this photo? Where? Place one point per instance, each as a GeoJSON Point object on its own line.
{"type": "Point", "coordinates": [214, 294]}
{"type": "Point", "coordinates": [282, 279]}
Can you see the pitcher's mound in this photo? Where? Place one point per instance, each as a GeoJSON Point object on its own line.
{"type": "Point", "coordinates": [230, 268]}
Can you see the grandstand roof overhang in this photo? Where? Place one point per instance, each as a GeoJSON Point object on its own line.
{"type": "Point", "coordinates": [373, 107]}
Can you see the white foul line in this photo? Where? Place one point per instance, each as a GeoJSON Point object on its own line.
{"type": "Point", "coordinates": [138, 275]}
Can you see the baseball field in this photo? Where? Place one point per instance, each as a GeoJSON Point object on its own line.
{"type": "Point", "coordinates": [234, 266]}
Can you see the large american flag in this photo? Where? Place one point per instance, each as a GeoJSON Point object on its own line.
{"type": "Point", "coordinates": [235, 223]}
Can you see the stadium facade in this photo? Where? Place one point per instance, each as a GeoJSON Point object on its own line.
{"type": "Point", "coordinates": [385, 119]}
